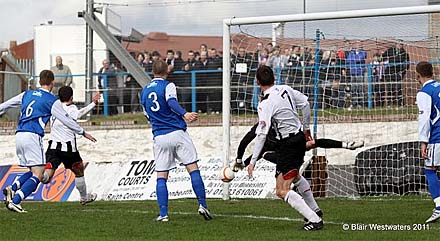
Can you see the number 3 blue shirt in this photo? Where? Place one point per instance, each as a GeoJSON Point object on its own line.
{"type": "Point", "coordinates": [154, 99]}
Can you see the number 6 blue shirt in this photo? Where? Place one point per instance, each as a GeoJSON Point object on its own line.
{"type": "Point", "coordinates": [36, 110]}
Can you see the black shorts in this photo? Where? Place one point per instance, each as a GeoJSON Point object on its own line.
{"type": "Point", "coordinates": [291, 154]}
{"type": "Point", "coordinates": [56, 157]}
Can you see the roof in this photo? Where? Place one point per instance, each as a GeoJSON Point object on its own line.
{"type": "Point", "coordinates": [24, 50]}
{"type": "Point", "coordinates": [162, 42]}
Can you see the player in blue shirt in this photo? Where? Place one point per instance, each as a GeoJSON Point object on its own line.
{"type": "Point", "coordinates": [171, 141]}
{"type": "Point", "coordinates": [428, 102]}
{"type": "Point", "coordinates": [37, 106]}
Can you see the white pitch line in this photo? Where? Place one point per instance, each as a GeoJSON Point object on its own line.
{"type": "Point", "coordinates": [431, 227]}
{"type": "Point", "coordinates": [221, 215]}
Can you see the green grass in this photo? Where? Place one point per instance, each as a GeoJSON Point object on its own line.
{"type": "Point", "coordinates": [367, 112]}
{"type": "Point", "coordinates": [233, 220]}
{"type": "Point", "coordinates": [139, 118]}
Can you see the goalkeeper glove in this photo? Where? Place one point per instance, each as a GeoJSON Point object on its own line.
{"type": "Point", "coordinates": [238, 165]}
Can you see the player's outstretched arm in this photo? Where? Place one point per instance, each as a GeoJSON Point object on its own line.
{"type": "Point", "coordinates": [13, 102]}
{"type": "Point", "coordinates": [302, 103]}
{"type": "Point", "coordinates": [305, 108]}
{"type": "Point", "coordinates": [90, 106]}
{"type": "Point", "coordinates": [259, 144]}
{"type": "Point", "coordinates": [90, 137]}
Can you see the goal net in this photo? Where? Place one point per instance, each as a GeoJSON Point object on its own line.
{"type": "Point", "coordinates": [359, 75]}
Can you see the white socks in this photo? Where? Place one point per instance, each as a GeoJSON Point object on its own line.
{"type": "Point", "coordinates": [80, 183]}
{"type": "Point", "coordinates": [296, 201]}
{"type": "Point", "coordinates": [437, 202]}
{"type": "Point", "coordinates": [305, 191]}
{"type": "Point", "coordinates": [45, 178]}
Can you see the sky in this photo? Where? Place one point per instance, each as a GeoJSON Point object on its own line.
{"type": "Point", "coordinates": [179, 17]}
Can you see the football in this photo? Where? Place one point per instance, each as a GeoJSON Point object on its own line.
{"type": "Point", "coordinates": [226, 174]}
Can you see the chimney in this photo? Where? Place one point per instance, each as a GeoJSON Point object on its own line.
{"type": "Point", "coordinates": [12, 44]}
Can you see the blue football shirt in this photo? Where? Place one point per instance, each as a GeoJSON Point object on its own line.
{"type": "Point", "coordinates": [154, 99]}
{"type": "Point", "coordinates": [36, 110]}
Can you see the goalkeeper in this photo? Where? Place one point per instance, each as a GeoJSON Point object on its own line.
{"type": "Point", "coordinates": [270, 148]}
{"type": "Point", "coordinates": [270, 153]}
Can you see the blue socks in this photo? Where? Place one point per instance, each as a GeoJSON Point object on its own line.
{"type": "Point", "coordinates": [198, 187]}
{"type": "Point", "coordinates": [162, 192]}
{"type": "Point", "coordinates": [28, 187]}
{"type": "Point", "coordinates": [21, 180]}
{"type": "Point", "coordinates": [162, 196]}
{"type": "Point", "coordinates": [433, 184]}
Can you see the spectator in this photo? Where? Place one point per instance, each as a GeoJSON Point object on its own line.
{"type": "Point", "coordinates": [262, 58]}
{"type": "Point", "coordinates": [244, 81]}
{"type": "Point", "coordinates": [109, 71]}
{"type": "Point", "coordinates": [275, 59]}
{"type": "Point", "coordinates": [241, 57]}
{"type": "Point", "coordinates": [295, 66]}
{"type": "Point", "coordinates": [269, 47]}
{"type": "Point", "coordinates": [337, 79]}
{"type": "Point", "coordinates": [285, 57]}
{"type": "Point", "coordinates": [133, 88]}
{"type": "Point", "coordinates": [324, 80]}
{"type": "Point", "coordinates": [259, 50]}
{"type": "Point", "coordinates": [215, 59]}
{"type": "Point", "coordinates": [308, 54]}
{"type": "Point", "coordinates": [204, 63]}
{"type": "Point", "coordinates": [202, 80]}
{"type": "Point", "coordinates": [147, 57]}
{"type": "Point", "coordinates": [191, 61]}
{"type": "Point", "coordinates": [63, 76]}
{"type": "Point", "coordinates": [396, 61]}
{"type": "Point", "coordinates": [341, 53]}
{"type": "Point", "coordinates": [203, 47]}
{"type": "Point", "coordinates": [170, 60]}
{"type": "Point", "coordinates": [178, 61]}
{"type": "Point", "coordinates": [147, 60]}
{"type": "Point", "coordinates": [255, 57]}
{"type": "Point", "coordinates": [309, 77]}
{"type": "Point", "coordinates": [197, 56]}
{"type": "Point", "coordinates": [356, 65]}
{"type": "Point", "coordinates": [154, 56]}
{"type": "Point", "coordinates": [379, 87]}
{"type": "Point", "coordinates": [141, 60]}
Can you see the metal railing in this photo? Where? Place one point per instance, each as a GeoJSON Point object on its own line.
{"type": "Point", "coordinates": [201, 90]}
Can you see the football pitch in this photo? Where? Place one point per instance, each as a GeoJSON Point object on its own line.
{"type": "Point", "coordinates": [242, 219]}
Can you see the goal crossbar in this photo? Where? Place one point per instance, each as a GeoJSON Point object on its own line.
{"type": "Point", "coordinates": [333, 15]}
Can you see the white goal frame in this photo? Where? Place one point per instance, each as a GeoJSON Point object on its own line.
{"type": "Point", "coordinates": [227, 23]}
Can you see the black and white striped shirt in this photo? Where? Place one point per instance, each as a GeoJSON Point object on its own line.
{"type": "Point", "coordinates": [61, 137]}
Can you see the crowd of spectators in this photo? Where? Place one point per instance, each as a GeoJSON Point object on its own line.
{"type": "Point", "coordinates": [342, 74]}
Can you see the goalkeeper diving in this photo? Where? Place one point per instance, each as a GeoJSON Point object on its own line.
{"type": "Point", "coordinates": [270, 148]}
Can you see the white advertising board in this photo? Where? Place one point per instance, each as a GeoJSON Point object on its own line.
{"type": "Point", "coordinates": [137, 181]}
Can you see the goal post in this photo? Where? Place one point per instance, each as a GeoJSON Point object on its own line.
{"type": "Point", "coordinates": [226, 106]}
{"type": "Point", "coordinates": [239, 99]}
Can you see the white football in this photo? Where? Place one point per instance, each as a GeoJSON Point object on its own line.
{"type": "Point", "coordinates": [226, 174]}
